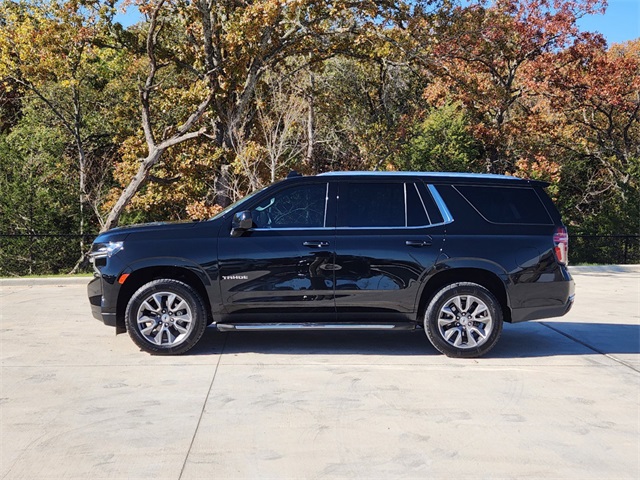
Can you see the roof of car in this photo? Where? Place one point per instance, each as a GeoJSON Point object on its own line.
{"type": "Point", "coordinates": [444, 177]}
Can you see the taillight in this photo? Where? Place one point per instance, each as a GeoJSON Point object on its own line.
{"type": "Point", "coordinates": [561, 245]}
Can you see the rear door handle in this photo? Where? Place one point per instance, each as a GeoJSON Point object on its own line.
{"type": "Point", "coordinates": [418, 243]}
{"type": "Point", "coordinates": [315, 244]}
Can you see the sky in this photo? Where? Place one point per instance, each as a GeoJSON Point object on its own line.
{"type": "Point", "coordinates": [620, 23]}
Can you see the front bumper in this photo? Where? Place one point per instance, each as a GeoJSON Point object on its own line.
{"type": "Point", "coordinates": [99, 310]}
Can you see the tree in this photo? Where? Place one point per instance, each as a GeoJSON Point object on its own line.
{"type": "Point", "coordinates": [597, 91]}
{"type": "Point", "coordinates": [442, 142]}
{"type": "Point", "coordinates": [48, 50]}
{"type": "Point", "coordinates": [485, 56]}
{"type": "Point", "coordinates": [225, 49]}
{"type": "Point", "coordinates": [363, 109]}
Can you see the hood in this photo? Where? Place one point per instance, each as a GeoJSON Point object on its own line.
{"type": "Point", "coordinates": [120, 233]}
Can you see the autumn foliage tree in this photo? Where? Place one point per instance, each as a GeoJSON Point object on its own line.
{"type": "Point", "coordinates": [48, 51]}
{"type": "Point", "coordinates": [486, 55]}
{"type": "Point", "coordinates": [222, 50]}
{"type": "Point", "coordinates": [597, 91]}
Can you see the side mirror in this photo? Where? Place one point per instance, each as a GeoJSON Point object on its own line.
{"type": "Point", "coordinates": [241, 223]}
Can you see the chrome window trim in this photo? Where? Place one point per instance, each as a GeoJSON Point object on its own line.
{"type": "Point", "coordinates": [406, 213]}
{"type": "Point", "coordinates": [444, 211]}
{"type": "Point", "coordinates": [424, 207]}
{"type": "Point", "coordinates": [326, 205]}
{"type": "Point", "coordinates": [420, 227]}
{"type": "Point", "coordinates": [283, 229]}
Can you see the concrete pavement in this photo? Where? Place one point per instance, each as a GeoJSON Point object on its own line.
{"type": "Point", "coordinates": [555, 399]}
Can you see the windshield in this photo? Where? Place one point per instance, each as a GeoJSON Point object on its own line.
{"type": "Point", "coordinates": [236, 204]}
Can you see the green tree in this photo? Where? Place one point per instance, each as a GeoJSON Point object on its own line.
{"type": "Point", "coordinates": [442, 142]}
{"type": "Point", "coordinates": [49, 51]}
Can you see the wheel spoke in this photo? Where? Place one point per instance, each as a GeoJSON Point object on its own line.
{"type": "Point", "coordinates": [170, 337]}
{"type": "Point", "coordinates": [450, 333]}
{"type": "Point", "coordinates": [479, 309]}
{"type": "Point", "coordinates": [445, 322]}
{"type": "Point", "coordinates": [158, 299]}
{"type": "Point", "coordinates": [457, 301]}
{"type": "Point", "coordinates": [149, 330]}
{"type": "Point", "coordinates": [480, 331]}
{"type": "Point", "coordinates": [181, 329]}
{"type": "Point", "coordinates": [171, 298]}
{"type": "Point", "coordinates": [181, 306]}
{"type": "Point", "coordinates": [182, 318]}
{"type": "Point", "coordinates": [158, 337]}
{"type": "Point", "coordinates": [471, 341]}
{"type": "Point", "coordinates": [447, 311]}
{"type": "Point", "coordinates": [145, 319]}
{"type": "Point", "coordinates": [147, 306]}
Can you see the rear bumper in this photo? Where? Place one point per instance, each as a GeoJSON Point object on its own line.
{"type": "Point", "coordinates": [543, 299]}
{"type": "Point", "coordinates": [537, 313]}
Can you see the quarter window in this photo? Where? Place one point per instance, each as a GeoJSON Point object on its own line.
{"type": "Point", "coordinates": [506, 204]}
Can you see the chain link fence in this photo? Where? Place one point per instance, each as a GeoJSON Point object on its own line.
{"type": "Point", "coordinates": [35, 254]}
{"type": "Point", "coordinates": [57, 254]}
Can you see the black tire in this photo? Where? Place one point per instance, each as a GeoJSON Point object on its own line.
{"type": "Point", "coordinates": [166, 317]}
{"type": "Point", "coordinates": [463, 320]}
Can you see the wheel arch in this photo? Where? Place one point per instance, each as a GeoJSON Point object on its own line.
{"type": "Point", "coordinates": [144, 274]}
{"type": "Point", "coordinates": [486, 277]}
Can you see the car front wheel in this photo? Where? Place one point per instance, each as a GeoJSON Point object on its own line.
{"type": "Point", "coordinates": [463, 320]}
{"type": "Point", "coordinates": [165, 317]}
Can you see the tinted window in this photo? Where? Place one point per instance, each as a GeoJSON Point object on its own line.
{"type": "Point", "coordinates": [372, 205]}
{"type": "Point", "coordinates": [299, 206]}
{"type": "Point", "coordinates": [506, 205]}
{"type": "Point", "coordinates": [416, 213]}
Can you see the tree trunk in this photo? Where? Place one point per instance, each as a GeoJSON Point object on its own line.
{"type": "Point", "coordinates": [222, 187]}
{"type": "Point", "coordinates": [131, 189]}
{"type": "Point", "coordinates": [311, 120]}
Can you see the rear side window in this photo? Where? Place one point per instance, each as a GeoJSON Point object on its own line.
{"type": "Point", "coordinates": [372, 205]}
{"type": "Point", "coordinates": [506, 204]}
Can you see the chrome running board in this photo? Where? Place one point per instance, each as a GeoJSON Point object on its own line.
{"type": "Point", "coordinates": [228, 327]}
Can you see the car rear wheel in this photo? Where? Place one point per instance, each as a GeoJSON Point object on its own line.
{"type": "Point", "coordinates": [165, 317]}
{"type": "Point", "coordinates": [463, 320]}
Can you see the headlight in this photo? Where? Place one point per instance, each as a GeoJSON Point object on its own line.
{"type": "Point", "coordinates": [106, 249]}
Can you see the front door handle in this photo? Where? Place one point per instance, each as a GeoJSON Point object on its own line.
{"type": "Point", "coordinates": [418, 243]}
{"type": "Point", "coordinates": [315, 244]}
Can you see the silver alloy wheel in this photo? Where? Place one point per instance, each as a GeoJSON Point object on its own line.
{"type": "Point", "coordinates": [465, 322]}
{"type": "Point", "coordinates": [164, 319]}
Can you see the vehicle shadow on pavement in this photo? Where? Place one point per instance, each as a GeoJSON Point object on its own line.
{"type": "Point", "coordinates": [404, 343]}
{"type": "Point", "coordinates": [525, 340]}
{"type": "Point", "coordinates": [551, 338]}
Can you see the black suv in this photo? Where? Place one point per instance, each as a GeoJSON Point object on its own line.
{"type": "Point", "coordinates": [455, 254]}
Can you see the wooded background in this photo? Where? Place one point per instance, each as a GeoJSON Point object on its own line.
{"type": "Point", "coordinates": [205, 101]}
